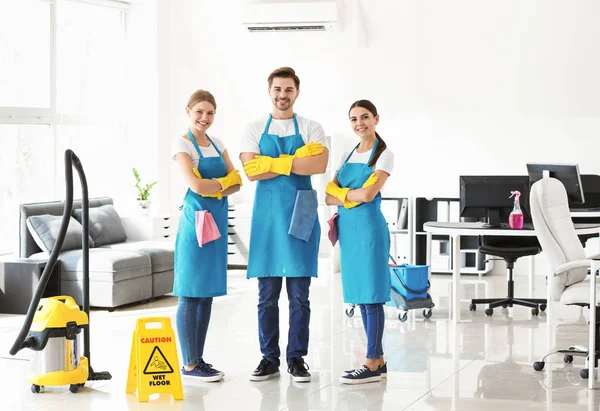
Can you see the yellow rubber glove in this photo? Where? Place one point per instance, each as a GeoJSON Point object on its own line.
{"type": "Point", "coordinates": [217, 195]}
{"type": "Point", "coordinates": [231, 179]}
{"type": "Point", "coordinates": [263, 164]}
{"type": "Point", "coordinates": [370, 182]}
{"type": "Point", "coordinates": [336, 191]}
{"type": "Point", "coordinates": [350, 204]}
{"type": "Point", "coordinates": [309, 150]}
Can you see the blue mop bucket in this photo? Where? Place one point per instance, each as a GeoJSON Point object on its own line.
{"type": "Point", "coordinates": [411, 281]}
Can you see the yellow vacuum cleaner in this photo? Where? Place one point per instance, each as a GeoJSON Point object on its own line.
{"type": "Point", "coordinates": [53, 326]}
{"type": "Point", "coordinates": [56, 332]}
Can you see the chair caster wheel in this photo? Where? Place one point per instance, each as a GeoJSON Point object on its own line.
{"type": "Point", "coordinates": [349, 312]}
{"type": "Point", "coordinates": [584, 373]}
{"type": "Point", "coordinates": [535, 311]}
{"type": "Point", "coordinates": [402, 317]}
{"type": "Point", "coordinates": [427, 313]}
{"type": "Point", "coordinates": [472, 307]}
{"type": "Point", "coordinates": [568, 359]}
{"type": "Point", "coordinates": [504, 305]}
{"type": "Point", "coordinates": [542, 307]}
{"type": "Point", "coordinates": [489, 311]}
{"type": "Point", "coordinates": [74, 388]}
{"type": "Point", "coordinates": [35, 388]}
{"type": "Point", "coordinates": [538, 365]}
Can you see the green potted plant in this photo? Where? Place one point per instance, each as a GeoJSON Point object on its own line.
{"type": "Point", "coordinates": [143, 197]}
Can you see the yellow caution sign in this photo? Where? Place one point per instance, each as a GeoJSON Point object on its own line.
{"type": "Point", "coordinates": [153, 364]}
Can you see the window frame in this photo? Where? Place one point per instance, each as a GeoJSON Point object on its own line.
{"type": "Point", "coordinates": [49, 116]}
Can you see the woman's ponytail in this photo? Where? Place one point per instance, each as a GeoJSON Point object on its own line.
{"type": "Point", "coordinates": [381, 146]}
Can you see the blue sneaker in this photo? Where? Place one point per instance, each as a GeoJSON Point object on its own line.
{"type": "Point", "coordinates": [362, 375]}
{"type": "Point", "coordinates": [382, 369]}
{"type": "Point", "coordinates": [203, 372]}
{"type": "Point", "coordinates": [210, 366]}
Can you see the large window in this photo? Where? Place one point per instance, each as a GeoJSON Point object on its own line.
{"type": "Point", "coordinates": [61, 86]}
{"type": "Point", "coordinates": [90, 71]}
{"type": "Point", "coordinates": [98, 149]}
{"type": "Point", "coordinates": [25, 48]}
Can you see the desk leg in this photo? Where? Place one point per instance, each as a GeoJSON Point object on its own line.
{"type": "Point", "coordinates": [592, 337]}
{"type": "Point", "coordinates": [531, 275]}
{"type": "Point", "coordinates": [428, 255]}
{"type": "Point", "coordinates": [456, 367]}
{"type": "Point", "coordinates": [456, 278]}
{"type": "Point", "coordinates": [550, 317]}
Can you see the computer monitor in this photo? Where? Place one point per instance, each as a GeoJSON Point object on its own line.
{"type": "Point", "coordinates": [568, 174]}
{"type": "Point", "coordinates": [488, 197]}
{"type": "Point", "coordinates": [591, 191]}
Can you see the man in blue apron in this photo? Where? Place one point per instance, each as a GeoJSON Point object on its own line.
{"type": "Point", "coordinates": [281, 152]}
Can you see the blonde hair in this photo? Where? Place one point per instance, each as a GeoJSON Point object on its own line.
{"type": "Point", "coordinates": [199, 96]}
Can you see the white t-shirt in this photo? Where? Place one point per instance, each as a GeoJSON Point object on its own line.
{"type": "Point", "coordinates": [310, 130]}
{"type": "Point", "coordinates": [183, 145]}
{"type": "Point", "coordinates": [385, 162]}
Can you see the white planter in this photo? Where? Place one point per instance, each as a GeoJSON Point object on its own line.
{"type": "Point", "coordinates": [144, 206]}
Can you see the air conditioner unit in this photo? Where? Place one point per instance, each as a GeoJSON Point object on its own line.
{"type": "Point", "coordinates": [290, 15]}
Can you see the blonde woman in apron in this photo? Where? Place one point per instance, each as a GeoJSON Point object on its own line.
{"type": "Point", "coordinates": [201, 272]}
{"type": "Point", "coordinates": [363, 234]}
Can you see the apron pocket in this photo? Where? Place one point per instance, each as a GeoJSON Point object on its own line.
{"type": "Point", "coordinates": [333, 229]}
{"type": "Point", "coordinates": [262, 212]}
{"type": "Point", "coordinates": [371, 233]}
{"type": "Point", "coordinates": [206, 228]}
{"type": "Point", "coordinates": [304, 215]}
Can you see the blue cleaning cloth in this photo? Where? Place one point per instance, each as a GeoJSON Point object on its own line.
{"type": "Point", "coordinates": [304, 215]}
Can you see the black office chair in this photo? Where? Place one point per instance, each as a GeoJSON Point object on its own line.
{"type": "Point", "coordinates": [510, 252]}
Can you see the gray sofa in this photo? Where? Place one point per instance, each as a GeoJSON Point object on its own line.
{"type": "Point", "coordinates": [121, 272]}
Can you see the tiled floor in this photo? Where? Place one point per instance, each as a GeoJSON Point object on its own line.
{"type": "Point", "coordinates": [480, 364]}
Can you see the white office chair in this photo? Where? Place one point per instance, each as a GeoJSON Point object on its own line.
{"type": "Point", "coordinates": [556, 233]}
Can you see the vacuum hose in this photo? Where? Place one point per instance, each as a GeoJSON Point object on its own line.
{"type": "Point", "coordinates": [71, 160]}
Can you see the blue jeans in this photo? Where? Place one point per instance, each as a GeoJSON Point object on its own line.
{"type": "Point", "coordinates": [373, 320]}
{"type": "Point", "coordinates": [269, 289]}
{"type": "Point", "coordinates": [193, 316]}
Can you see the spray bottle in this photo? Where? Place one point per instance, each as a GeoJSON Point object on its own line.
{"type": "Point", "coordinates": [515, 219]}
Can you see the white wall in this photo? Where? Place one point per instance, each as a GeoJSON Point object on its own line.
{"type": "Point", "coordinates": [149, 45]}
{"type": "Point", "coordinates": [463, 87]}
{"type": "Point", "coordinates": [142, 104]}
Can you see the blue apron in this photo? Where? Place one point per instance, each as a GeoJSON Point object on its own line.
{"type": "Point", "coordinates": [364, 241]}
{"type": "Point", "coordinates": [202, 272]}
{"type": "Point", "coordinates": [273, 252]}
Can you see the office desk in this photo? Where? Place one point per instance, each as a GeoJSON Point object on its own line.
{"type": "Point", "coordinates": [456, 230]}
{"type": "Point", "coordinates": [585, 214]}
{"type": "Point", "coordinates": [592, 332]}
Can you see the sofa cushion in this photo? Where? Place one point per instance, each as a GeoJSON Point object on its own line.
{"type": "Point", "coordinates": [162, 283]}
{"type": "Point", "coordinates": [44, 230]}
{"type": "Point", "coordinates": [105, 265]}
{"type": "Point", "coordinates": [161, 253]}
{"type": "Point", "coordinates": [105, 224]}
{"type": "Point", "coordinates": [107, 294]}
